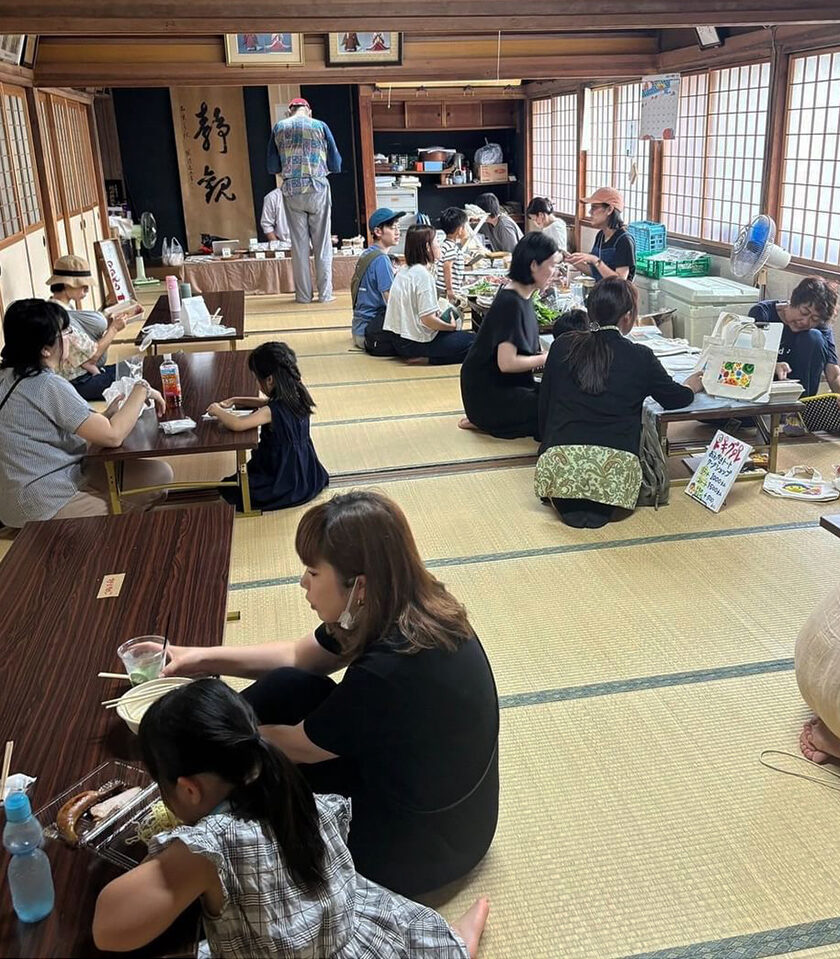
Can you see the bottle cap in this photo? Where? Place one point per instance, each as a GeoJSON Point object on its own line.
{"type": "Point", "coordinates": [18, 808]}
{"type": "Point", "coordinates": [167, 357]}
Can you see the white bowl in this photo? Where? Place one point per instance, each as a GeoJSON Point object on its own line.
{"type": "Point", "coordinates": [137, 700]}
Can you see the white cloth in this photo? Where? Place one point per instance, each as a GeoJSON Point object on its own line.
{"type": "Point", "coordinates": [273, 219]}
{"type": "Point", "coordinates": [412, 295]}
{"type": "Point", "coordinates": [557, 232]}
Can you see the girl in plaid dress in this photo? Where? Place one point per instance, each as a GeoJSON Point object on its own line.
{"type": "Point", "coordinates": [267, 859]}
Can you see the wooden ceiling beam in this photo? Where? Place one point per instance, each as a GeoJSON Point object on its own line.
{"type": "Point", "coordinates": [120, 17]}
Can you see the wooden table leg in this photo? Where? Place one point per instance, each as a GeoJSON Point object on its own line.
{"type": "Point", "coordinates": [775, 430]}
{"type": "Point", "coordinates": [113, 487]}
{"type": "Point", "coordinates": [244, 486]}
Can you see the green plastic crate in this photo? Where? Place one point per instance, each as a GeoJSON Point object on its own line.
{"type": "Point", "coordinates": [700, 266]}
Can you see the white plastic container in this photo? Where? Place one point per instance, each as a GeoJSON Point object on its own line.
{"type": "Point", "coordinates": [699, 301]}
{"type": "Point", "coordinates": [649, 293]}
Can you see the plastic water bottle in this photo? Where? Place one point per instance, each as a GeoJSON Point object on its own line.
{"type": "Point", "coordinates": [30, 877]}
{"type": "Point", "coordinates": [171, 380]}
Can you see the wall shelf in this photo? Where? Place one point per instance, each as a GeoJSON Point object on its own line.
{"type": "Point", "coordinates": [466, 186]}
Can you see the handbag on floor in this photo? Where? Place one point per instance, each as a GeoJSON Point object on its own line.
{"type": "Point", "coordinates": [821, 414]}
{"type": "Point", "coordinates": [738, 372]}
{"type": "Point", "coordinates": [800, 482]}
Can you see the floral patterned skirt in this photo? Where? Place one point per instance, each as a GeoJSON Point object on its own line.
{"type": "Point", "coordinates": [596, 473]}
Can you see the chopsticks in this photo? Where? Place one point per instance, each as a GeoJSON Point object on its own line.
{"type": "Point", "coordinates": [7, 762]}
{"type": "Point", "coordinates": [128, 700]}
{"type": "Point", "coordinates": [113, 676]}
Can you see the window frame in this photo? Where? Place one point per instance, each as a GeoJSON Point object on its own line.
{"type": "Point", "coordinates": [9, 91]}
{"type": "Point", "coordinates": [568, 217]}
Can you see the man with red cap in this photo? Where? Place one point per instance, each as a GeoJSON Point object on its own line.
{"type": "Point", "coordinates": [613, 252]}
{"type": "Point", "coordinates": [303, 152]}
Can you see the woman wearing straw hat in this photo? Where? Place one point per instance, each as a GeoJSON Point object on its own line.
{"type": "Point", "coordinates": [613, 252]}
{"type": "Point", "coordinates": [90, 334]}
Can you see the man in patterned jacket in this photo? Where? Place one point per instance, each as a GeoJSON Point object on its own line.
{"type": "Point", "coordinates": [303, 152]}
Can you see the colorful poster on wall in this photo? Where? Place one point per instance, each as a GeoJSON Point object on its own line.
{"type": "Point", "coordinates": [660, 108]}
{"type": "Point", "coordinates": [718, 470]}
{"type": "Point", "coordinates": [213, 163]}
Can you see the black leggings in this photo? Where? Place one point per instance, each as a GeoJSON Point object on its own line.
{"type": "Point", "coordinates": [410, 853]}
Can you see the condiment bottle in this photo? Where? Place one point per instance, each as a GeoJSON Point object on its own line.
{"type": "Point", "coordinates": [174, 298]}
{"type": "Point", "coordinates": [170, 379]}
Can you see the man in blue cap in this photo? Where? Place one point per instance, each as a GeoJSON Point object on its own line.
{"type": "Point", "coordinates": [373, 277]}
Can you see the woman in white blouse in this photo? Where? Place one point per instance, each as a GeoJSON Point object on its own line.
{"type": "Point", "coordinates": [541, 213]}
{"type": "Point", "coordinates": [413, 313]}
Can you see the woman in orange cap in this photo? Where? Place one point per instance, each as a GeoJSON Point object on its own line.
{"type": "Point", "coordinates": [614, 252]}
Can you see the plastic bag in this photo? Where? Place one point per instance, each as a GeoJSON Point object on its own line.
{"type": "Point", "coordinates": [172, 253]}
{"type": "Point", "coordinates": [489, 153]}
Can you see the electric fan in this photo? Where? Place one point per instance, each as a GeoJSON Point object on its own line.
{"type": "Point", "coordinates": [144, 235]}
{"type": "Point", "coordinates": [755, 250]}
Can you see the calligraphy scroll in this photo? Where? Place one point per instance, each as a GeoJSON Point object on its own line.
{"type": "Point", "coordinates": [213, 162]}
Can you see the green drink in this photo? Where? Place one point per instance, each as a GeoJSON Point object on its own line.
{"type": "Point", "coordinates": [142, 658]}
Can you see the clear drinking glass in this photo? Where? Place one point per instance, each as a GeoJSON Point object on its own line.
{"type": "Point", "coordinates": [142, 658]}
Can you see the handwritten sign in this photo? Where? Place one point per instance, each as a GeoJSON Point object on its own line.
{"type": "Point", "coordinates": [718, 470]}
{"type": "Point", "coordinates": [118, 285]}
{"type": "Point", "coordinates": [212, 145]}
{"type": "Point", "coordinates": [110, 586]}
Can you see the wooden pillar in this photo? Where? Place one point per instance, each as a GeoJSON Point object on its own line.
{"type": "Point", "coordinates": [96, 157]}
{"type": "Point", "coordinates": [365, 105]}
{"type": "Point", "coordinates": [655, 191]}
{"type": "Point", "coordinates": [581, 170]}
{"type": "Point", "coordinates": [47, 200]}
{"type": "Point", "coordinates": [774, 146]}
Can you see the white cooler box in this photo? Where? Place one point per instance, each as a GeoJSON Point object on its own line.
{"type": "Point", "coordinates": [699, 301]}
{"type": "Point", "coordinates": [649, 294]}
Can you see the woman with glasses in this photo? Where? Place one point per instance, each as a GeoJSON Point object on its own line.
{"type": "Point", "coordinates": [614, 251]}
{"type": "Point", "coordinates": [807, 349]}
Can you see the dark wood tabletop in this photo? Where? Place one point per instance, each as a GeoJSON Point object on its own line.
{"type": "Point", "coordinates": [56, 636]}
{"type": "Point", "coordinates": [831, 522]}
{"type": "Point", "coordinates": [205, 378]}
{"type": "Point", "coordinates": [734, 409]}
{"type": "Point", "coordinates": [230, 302]}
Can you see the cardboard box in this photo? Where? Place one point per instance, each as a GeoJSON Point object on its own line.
{"type": "Point", "coordinates": [491, 172]}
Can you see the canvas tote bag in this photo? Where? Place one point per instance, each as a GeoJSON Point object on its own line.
{"type": "Point", "coordinates": [800, 482]}
{"type": "Point", "coordinates": [738, 372]}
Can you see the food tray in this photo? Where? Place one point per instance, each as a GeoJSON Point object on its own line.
{"type": "Point", "coordinates": [107, 839]}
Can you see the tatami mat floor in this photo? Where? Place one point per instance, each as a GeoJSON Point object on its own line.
{"type": "Point", "coordinates": [641, 668]}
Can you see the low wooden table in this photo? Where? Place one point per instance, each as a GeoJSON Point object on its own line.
{"type": "Point", "coordinates": [205, 378]}
{"type": "Point", "coordinates": [733, 411]}
{"type": "Point", "coordinates": [831, 523]}
{"type": "Point", "coordinates": [231, 304]}
{"type": "Point", "coordinates": [57, 636]}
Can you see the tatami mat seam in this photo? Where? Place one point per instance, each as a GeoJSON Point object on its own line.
{"type": "Point", "coordinates": [641, 683]}
{"type": "Point", "coordinates": [386, 419]}
{"type": "Point", "coordinates": [568, 548]}
{"type": "Point", "coordinates": [756, 945]}
{"type": "Point", "coordinates": [397, 379]}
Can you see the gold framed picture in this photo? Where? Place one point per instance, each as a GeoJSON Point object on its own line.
{"type": "Point", "coordinates": [276, 49]}
{"type": "Point", "coordinates": [351, 49]}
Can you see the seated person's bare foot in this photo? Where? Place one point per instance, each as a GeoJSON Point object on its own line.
{"type": "Point", "coordinates": [817, 742]}
{"type": "Point", "coordinates": [471, 925]}
{"type": "Point", "coordinates": [465, 424]}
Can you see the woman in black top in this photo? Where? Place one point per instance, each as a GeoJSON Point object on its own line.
{"type": "Point", "coordinates": [590, 410]}
{"type": "Point", "coordinates": [497, 377]}
{"type": "Point", "coordinates": [614, 250]}
{"type": "Point", "coordinates": [410, 733]}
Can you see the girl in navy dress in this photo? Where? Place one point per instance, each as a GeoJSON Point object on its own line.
{"type": "Point", "coordinates": [284, 469]}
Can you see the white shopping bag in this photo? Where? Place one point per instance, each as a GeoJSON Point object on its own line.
{"type": "Point", "coordinates": [800, 482]}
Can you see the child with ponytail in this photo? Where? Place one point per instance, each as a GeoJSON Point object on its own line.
{"type": "Point", "coordinates": [284, 470]}
{"type": "Point", "coordinates": [267, 859]}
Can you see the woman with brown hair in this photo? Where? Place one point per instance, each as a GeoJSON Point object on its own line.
{"type": "Point", "coordinates": [410, 733]}
{"type": "Point", "coordinates": [413, 312]}
{"type": "Point", "coordinates": [590, 410]}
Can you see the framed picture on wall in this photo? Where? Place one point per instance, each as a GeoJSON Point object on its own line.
{"type": "Point", "coordinates": [262, 48]}
{"type": "Point", "coordinates": [351, 49]}
{"type": "Point", "coordinates": [30, 49]}
{"type": "Point", "coordinates": [11, 47]}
